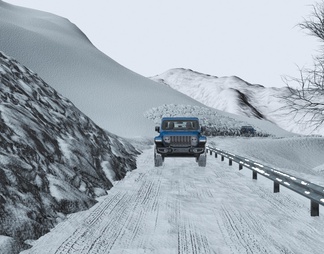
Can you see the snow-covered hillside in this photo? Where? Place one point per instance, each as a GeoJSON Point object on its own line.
{"type": "Point", "coordinates": [234, 95]}
{"type": "Point", "coordinates": [111, 95]}
{"type": "Point", "coordinates": [53, 159]}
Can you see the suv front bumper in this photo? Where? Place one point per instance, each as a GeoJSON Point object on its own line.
{"type": "Point", "coordinates": [180, 151]}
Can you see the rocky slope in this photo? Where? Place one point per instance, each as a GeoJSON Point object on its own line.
{"type": "Point", "coordinates": [54, 160]}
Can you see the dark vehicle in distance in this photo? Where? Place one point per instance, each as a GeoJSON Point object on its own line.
{"type": "Point", "coordinates": [180, 137]}
{"type": "Point", "coordinates": [247, 131]}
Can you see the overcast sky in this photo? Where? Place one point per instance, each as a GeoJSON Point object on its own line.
{"type": "Point", "coordinates": [256, 40]}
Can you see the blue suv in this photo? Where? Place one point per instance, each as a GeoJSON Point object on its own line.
{"type": "Point", "coordinates": [180, 137]}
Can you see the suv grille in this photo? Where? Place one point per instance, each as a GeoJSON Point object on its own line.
{"type": "Point", "coordinates": [180, 140]}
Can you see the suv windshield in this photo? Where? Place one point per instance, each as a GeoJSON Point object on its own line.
{"type": "Point", "coordinates": [177, 125]}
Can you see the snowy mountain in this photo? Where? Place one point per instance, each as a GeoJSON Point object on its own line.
{"type": "Point", "coordinates": [63, 56]}
{"type": "Point", "coordinates": [54, 159]}
{"type": "Point", "coordinates": [234, 95]}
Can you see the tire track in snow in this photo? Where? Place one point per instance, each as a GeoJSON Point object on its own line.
{"type": "Point", "coordinates": [69, 245]}
{"type": "Point", "coordinates": [146, 203]}
{"type": "Point", "coordinates": [238, 228]}
{"type": "Point", "coordinates": [125, 228]}
{"type": "Point", "coordinates": [117, 227]}
{"type": "Point", "coordinates": [292, 205]}
{"type": "Point", "coordinates": [190, 238]}
{"type": "Point", "coordinates": [97, 214]}
{"type": "Point", "coordinates": [182, 208]}
{"type": "Point", "coordinates": [246, 230]}
{"type": "Point", "coordinates": [80, 241]}
{"type": "Point", "coordinates": [114, 207]}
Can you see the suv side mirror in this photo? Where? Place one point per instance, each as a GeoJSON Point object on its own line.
{"type": "Point", "coordinates": [202, 128]}
{"type": "Point", "coordinates": [157, 128]}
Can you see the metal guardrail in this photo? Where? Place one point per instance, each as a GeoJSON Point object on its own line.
{"type": "Point", "coordinates": [305, 188]}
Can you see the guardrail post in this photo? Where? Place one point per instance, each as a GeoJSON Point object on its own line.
{"type": "Point", "coordinates": [240, 166]}
{"type": "Point", "coordinates": [210, 152]}
{"type": "Point", "coordinates": [230, 162]}
{"type": "Point", "coordinates": [254, 175]}
{"type": "Point", "coordinates": [222, 158]}
{"type": "Point", "coordinates": [215, 155]}
{"type": "Point", "coordinates": [314, 208]}
{"type": "Point", "coordinates": [276, 187]}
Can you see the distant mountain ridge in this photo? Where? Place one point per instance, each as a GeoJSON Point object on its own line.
{"type": "Point", "coordinates": [212, 90]}
{"type": "Point", "coordinates": [53, 159]}
{"type": "Point", "coordinates": [234, 95]}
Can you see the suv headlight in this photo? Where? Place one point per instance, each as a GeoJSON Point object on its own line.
{"type": "Point", "coordinates": [202, 139]}
{"type": "Point", "coordinates": [194, 141]}
{"type": "Point", "coordinates": [167, 139]}
{"type": "Point", "coordinates": [158, 140]}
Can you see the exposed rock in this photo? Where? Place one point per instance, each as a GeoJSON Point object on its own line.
{"type": "Point", "coordinates": [53, 158]}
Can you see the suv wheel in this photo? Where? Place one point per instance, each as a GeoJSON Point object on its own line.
{"type": "Point", "coordinates": [158, 160]}
{"type": "Point", "coordinates": [202, 160]}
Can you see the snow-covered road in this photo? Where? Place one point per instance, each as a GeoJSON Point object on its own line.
{"type": "Point", "coordinates": [182, 208]}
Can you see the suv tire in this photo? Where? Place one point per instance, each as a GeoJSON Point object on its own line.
{"type": "Point", "coordinates": [202, 160]}
{"type": "Point", "coordinates": [158, 160]}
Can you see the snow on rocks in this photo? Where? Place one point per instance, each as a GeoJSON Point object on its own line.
{"type": "Point", "coordinates": [217, 123]}
{"type": "Point", "coordinates": [53, 158]}
{"type": "Point", "coordinates": [8, 245]}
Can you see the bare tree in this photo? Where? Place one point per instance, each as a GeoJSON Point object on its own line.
{"type": "Point", "coordinates": [306, 101]}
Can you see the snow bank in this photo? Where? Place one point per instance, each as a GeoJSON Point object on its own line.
{"type": "Point", "coordinates": [299, 156]}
